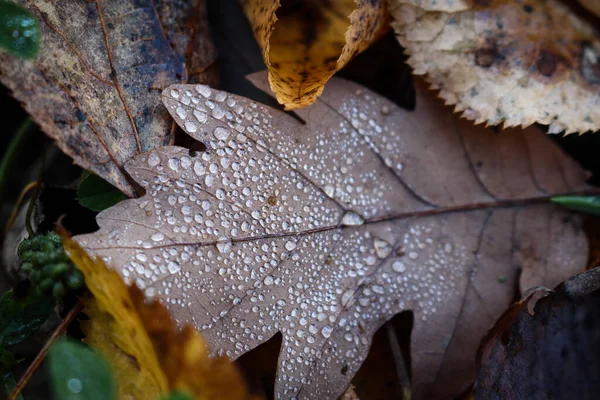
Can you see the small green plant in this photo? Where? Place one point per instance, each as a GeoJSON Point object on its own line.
{"type": "Point", "coordinates": [48, 266]}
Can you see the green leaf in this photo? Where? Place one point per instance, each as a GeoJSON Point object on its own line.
{"type": "Point", "coordinates": [178, 396]}
{"type": "Point", "coordinates": [19, 30]}
{"type": "Point", "coordinates": [21, 315]}
{"type": "Point", "coordinates": [79, 373]}
{"type": "Point", "coordinates": [589, 204]}
{"type": "Point", "coordinates": [97, 194]}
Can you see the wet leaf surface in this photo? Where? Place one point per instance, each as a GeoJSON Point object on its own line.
{"type": "Point", "coordinates": [323, 231]}
{"type": "Point", "coordinates": [551, 354]}
{"type": "Point", "coordinates": [512, 62]}
{"type": "Point", "coordinates": [95, 86]}
{"type": "Point", "coordinates": [150, 354]}
{"type": "Point", "coordinates": [305, 42]}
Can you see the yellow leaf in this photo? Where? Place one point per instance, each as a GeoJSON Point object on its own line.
{"type": "Point", "coordinates": [150, 355]}
{"type": "Point", "coordinates": [309, 40]}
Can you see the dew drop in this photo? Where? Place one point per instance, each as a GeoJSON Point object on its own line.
{"type": "Point", "coordinates": [382, 248]}
{"type": "Point", "coordinates": [221, 133]}
{"type": "Point", "coordinates": [326, 331]}
{"type": "Point", "coordinates": [352, 219]}
{"type": "Point", "coordinates": [157, 237]}
{"type": "Point", "coordinates": [268, 280]}
{"type": "Point", "coordinates": [191, 126]}
{"type": "Point", "coordinates": [199, 168]}
{"type": "Point", "coordinates": [153, 160]}
{"type": "Point", "coordinates": [204, 90]}
{"type": "Point", "coordinates": [398, 266]}
{"type": "Point", "coordinates": [224, 245]}
{"type": "Point", "coordinates": [174, 267]}
{"type": "Point", "coordinates": [413, 255]}
{"type": "Point", "coordinates": [174, 164]}
{"type": "Point", "coordinates": [200, 116]}
{"type": "Point", "coordinates": [290, 245]}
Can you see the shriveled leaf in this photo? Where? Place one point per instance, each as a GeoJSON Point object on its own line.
{"type": "Point", "coordinates": [516, 63]}
{"type": "Point", "coordinates": [95, 85]}
{"type": "Point", "coordinates": [19, 31]}
{"type": "Point", "coordinates": [308, 41]}
{"type": "Point", "coordinates": [78, 373]}
{"type": "Point", "coordinates": [545, 349]}
{"type": "Point", "coordinates": [324, 231]}
{"type": "Point", "coordinates": [96, 194]}
{"type": "Point", "coordinates": [149, 353]}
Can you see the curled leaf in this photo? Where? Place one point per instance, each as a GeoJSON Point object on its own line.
{"type": "Point", "coordinates": [517, 62]}
{"type": "Point", "coordinates": [308, 41]}
{"type": "Point", "coordinates": [150, 354]}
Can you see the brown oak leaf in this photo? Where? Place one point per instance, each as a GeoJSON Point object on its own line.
{"type": "Point", "coordinates": [323, 231]}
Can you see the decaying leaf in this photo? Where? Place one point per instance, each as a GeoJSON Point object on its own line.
{"type": "Point", "coordinates": [149, 353]}
{"type": "Point", "coordinates": [516, 63]}
{"type": "Point", "coordinates": [95, 85]}
{"type": "Point", "coordinates": [308, 41]}
{"type": "Point", "coordinates": [324, 231]}
{"type": "Point", "coordinates": [547, 354]}
{"type": "Point", "coordinates": [592, 5]}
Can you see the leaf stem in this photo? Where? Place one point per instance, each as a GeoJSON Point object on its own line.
{"type": "Point", "coordinates": [60, 329]}
{"type": "Point", "coordinates": [398, 357]}
{"type": "Point", "coordinates": [9, 157]}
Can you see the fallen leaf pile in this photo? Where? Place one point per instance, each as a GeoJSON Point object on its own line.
{"type": "Point", "coordinates": [149, 354]}
{"type": "Point", "coordinates": [305, 42]}
{"type": "Point", "coordinates": [517, 62]}
{"type": "Point", "coordinates": [98, 93]}
{"type": "Point", "coordinates": [323, 231]}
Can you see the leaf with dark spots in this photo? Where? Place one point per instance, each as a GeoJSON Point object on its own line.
{"type": "Point", "coordinates": [323, 231]}
{"type": "Point", "coordinates": [545, 348]}
{"type": "Point", "coordinates": [95, 86]}
{"type": "Point", "coordinates": [507, 62]}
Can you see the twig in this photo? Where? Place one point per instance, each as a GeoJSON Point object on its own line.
{"type": "Point", "coordinates": [399, 362]}
{"type": "Point", "coordinates": [15, 212]}
{"type": "Point", "coordinates": [60, 329]}
{"type": "Point", "coordinates": [36, 195]}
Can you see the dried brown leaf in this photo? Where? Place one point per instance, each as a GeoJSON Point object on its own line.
{"type": "Point", "coordinates": [308, 41]}
{"type": "Point", "coordinates": [512, 62]}
{"type": "Point", "coordinates": [95, 86]}
{"type": "Point", "coordinates": [324, 231]}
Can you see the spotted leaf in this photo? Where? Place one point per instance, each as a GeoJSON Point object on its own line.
{"type": "Point", "coordinates": [95, 85]}
{"type": "Point", "coordinates": [513, 62]}
{"type": "Point", "coordinates": [323, 231]}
